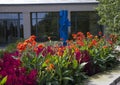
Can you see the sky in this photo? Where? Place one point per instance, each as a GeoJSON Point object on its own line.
{"type": "Point", "coordinates": [43, 1]}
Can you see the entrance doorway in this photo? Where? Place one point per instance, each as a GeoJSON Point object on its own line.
{"type": "Point", "coordinates": [9, 31]}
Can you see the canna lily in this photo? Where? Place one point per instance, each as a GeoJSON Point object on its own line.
{"type": "Point", "coordinates": [50, 67]}
{"type": "Point", "coordinates": [89, 35]}
{"type": "Point", "coordinates": [81, 43]}
{"type": "Point", "coordinates": [74, 36]}
{"type": "Point", "coordinates": [104, 47]}
{"type": "Point", "coordinates": [100, 33]}
{"type": "Point", "coordinates": [47, 61]}
{"type": "Point", "coordinates": [21, 47]}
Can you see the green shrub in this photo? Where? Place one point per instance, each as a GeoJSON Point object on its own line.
{"type": "Point", "coordinates": [12, 46]}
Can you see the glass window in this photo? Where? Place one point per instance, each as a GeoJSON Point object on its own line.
{"type": "Point", "coordinates": [21, 16]}
{"type": "Point", "coordinates": [42, 15]}
{"type": "Point", "coordinates": [34, 25]}
{"type": "Point", "coordinates": [34, 15]}
{"type": "Point", "coordinates": [85, 22]}
{"type": "Point", "coordinates": [11, 27]}
{"type": "Point", "coordinates": [8, 16]}
{"type": "Point", "coordinates": [45, 25]}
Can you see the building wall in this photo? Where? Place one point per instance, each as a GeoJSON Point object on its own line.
{"type": "Point", "coordinates": [26, 9]}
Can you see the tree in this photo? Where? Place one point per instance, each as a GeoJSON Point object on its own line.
{"type": "Point", "coordinates": [109, 11]}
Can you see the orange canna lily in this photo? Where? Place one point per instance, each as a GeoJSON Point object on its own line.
{"type": "Point", "coordinates": [33, 43]}
{"type": "Point", "coordinates": [80, 33]}
{"type": "Point", "coordinates": [33, 37]}
{"type": "Point", "coordinates": [100, 33]}
{"type": "Point", "coordinates": [36, 49]}
{"type": "Point", "coordinates": [88, 33]}
{"type": "Point", "coordinates": [105, 47]}
{"type": "Point", "coordinates": [21, 47]}
{"type": "Point", "coordinates": [50, 67]}
{"type": "Point", "coordinates": [94, 42]}
{"type": "Point", "coordinates": [80, 43]}
{"type": "Point", "coordinates": [47, 61]}
{"type": "Point", "coordinates": [74, 36]}
{"type": "Point", "coordinates": [27, 41]}
{"type": "Point", "coordinates": [40, 46]}
{"type": "Point", "coordinates": [76, 49]}
{"type": "Point", "coordinates": [90, 36]}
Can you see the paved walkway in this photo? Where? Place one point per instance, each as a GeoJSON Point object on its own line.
{"type": "Point", "coordinates": [111, 77]}
{"type": "Point", "coordinates": [118, 83]}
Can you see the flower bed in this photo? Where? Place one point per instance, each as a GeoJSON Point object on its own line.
{"type": "Point", "coordinates": [42, 64]}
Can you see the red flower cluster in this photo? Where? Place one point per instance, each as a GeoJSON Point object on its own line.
{"type": "Point", "coordinates": [82, 56]}
{"type": "Point", "coordinates": [10, 66]}
{"type": "Point", "coordinates": [27, 43]}
{"type": "Point", "coordinates": [48, 50]}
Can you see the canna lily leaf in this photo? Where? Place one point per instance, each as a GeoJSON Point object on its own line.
{"type": "Point", "coordinates": [75, 64]}
{"type": "Point", "coordinates": [3, 81]}
{"type": "Point", "coordinates": [82, 65]}
{"type": "Point", "coordinates": [66, 72]}
{"type": "Point", "coordinates": [68, 78]}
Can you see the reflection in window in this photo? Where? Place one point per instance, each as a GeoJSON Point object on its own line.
{"type": "Point", "coordinates": [42, 15]}
{"type": "Point", "coordinates": [45, 25]}
{"type": "Point", "coordinates": [11, 27]}
{"type": "Point", "coordinates": [34, 15]}
{"type": "Point", "coordinates": [84, 22]}
{"type": "Point", "coordinates": [8, 16]}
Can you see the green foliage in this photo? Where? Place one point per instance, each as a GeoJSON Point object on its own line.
{"type": "Point", "coordinates": [67, 65]}
{"type": "Point", "coordinates": [109, 11]}
{"type": "Point", "coordinates": [1, 53]}
{"type": "Point", "coordinates": [12, 46]}
{"type": "Point", "coordinates": [100, 50]}
{"type": "Point", "coordinates": [3, 81]}
{"type": "Point", "coordinates": [64, 72]}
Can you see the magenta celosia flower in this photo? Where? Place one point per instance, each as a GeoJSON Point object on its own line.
{"type": "Point", "coordinates": [39, 51]}
{"type": "Point", "coordinates": [82, 56]}
{"type": "Point", "coordinates": [48, 50]}
{"type": "Point", "coordinates": [16, 75]}
{"type": "Point", "coordinates": [85, 56]}
{"type": "Point", "coordinates": [31, 78]}
{"type": "Point", "coordinates": [78, 56]}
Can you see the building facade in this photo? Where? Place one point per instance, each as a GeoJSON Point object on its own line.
{"type": "Point", "coordinates": [22, 20]}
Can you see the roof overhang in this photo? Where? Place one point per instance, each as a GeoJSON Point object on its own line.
{"type": "Point", "coordinates": [15, 2]}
